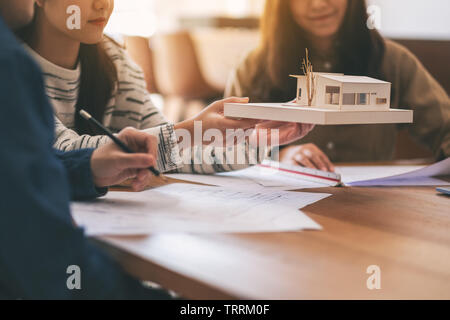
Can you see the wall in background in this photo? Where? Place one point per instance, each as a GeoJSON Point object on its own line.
{"type": "Point", "coordinates": [133, 17]}
{"type": "Point", "coordinates": [145, 17]}
{"type": "Point", "coordinates": [410, 19]}
{"type": "Point", "coordinates": [414, 19]}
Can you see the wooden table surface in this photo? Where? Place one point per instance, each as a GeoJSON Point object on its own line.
{"type": "Point", "coordinates": [403, 230]}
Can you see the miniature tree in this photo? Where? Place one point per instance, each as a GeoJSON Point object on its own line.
{"type": "Point", "coordinates": [310, 78]}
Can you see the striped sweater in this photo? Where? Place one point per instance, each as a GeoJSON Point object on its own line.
{"type": "Point", "coordinates": [131, 106]}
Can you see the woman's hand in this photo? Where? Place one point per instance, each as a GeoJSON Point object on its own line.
{"type": "Point", "coordinates": [307, 155]}
{"type": "Point", "coordinates": [288, 132]}
{"type": "Point", "coordinates": [111, 166]}
{"type": "Point", "coordinates": [212, 117]}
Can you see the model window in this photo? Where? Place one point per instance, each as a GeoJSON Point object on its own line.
{"type": "Point", "coordinates": [362, 99]}
{"type": "Point", "coordinates": [381, 100]}
{"type": "Point", "coordinates": [332, 95]}
{"type": "Point", "coordinates": [349, 99]}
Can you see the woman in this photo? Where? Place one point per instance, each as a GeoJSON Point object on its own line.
{"type": "Point", "coordinates": [336, 34]}
{"type": "Point", "coordinates": [85, 70]}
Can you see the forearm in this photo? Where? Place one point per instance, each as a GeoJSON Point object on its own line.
{"type": "Point", "coordinates": [69, 140]}
{"type": "Point", "coordinates": [168, 154]}
{"type": "Point", "coordinates": [168, 158]}
{"type": "Point", "coordinates": [207, 159]}
{"type": "Point", "coordinates": [210, 160]}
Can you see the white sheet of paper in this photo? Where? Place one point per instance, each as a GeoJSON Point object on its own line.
{"type": "Point", "coordinates": [269, 177]}
{"type": "Point", "coordinates": [252, 178]}
{"type": "Point", "coordinates": [396, 175]}
{"type": "Point", "coordinates": [217, 180]}
{"type": "Point", "coordinates": [195, 209]}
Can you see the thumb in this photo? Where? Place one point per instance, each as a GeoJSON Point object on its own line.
{"type": "Point", "coordinates": [219, 105]}
{"type": "Point", "coordinates": [236, 100]}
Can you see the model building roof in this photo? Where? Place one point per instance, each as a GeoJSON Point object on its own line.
{"type": "Point", "coordinates": [340, 77]}
{"type": "Point", "coordinates": [317, 74]}
{"type": "Point", "coordinates": [353, 79]}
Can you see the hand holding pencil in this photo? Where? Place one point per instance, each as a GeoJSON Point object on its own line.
{"type": "Point", "coordinates": [130, 155]}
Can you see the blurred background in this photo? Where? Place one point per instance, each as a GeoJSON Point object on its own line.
{"type": "Point", "coordinates": [187, 48]}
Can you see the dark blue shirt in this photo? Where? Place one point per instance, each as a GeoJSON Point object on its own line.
{"type": "Point", "coordinates": [38, 241]}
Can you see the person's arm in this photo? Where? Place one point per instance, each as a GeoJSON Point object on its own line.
{"type": "Point", "coordinates": [132, 107]}
{"type": "Point", "coordinates": [419, 91]}
{"type": "Point", "coordinates": [205, 160]}
{"type": "Point", "coordinates": [153, 122]}
{"type": "Point", "coordinates": [171, 156]}
{"type": "Point", "coordinates": [243, 147]}
{"type": "Point", "coordinates": [200, 157]}
{"type": "Point", "coordinates": [211, 160]}
{"type": "Point", "coordinates": [68, 140]}
{"type": "Point", "coordinates": [78, 168]}
{"type": "Point", "coordinates": [37, 239]}
{"type": "Point", "coordinates": [308, 155]}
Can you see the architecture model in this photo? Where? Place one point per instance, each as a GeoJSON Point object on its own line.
{"type": "Point", "coordinates": [329, 99]}
{"type": "Point", "coordinates": [335, 91]}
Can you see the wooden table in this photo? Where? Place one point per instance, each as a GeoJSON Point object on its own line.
{"type": "Point", "coordinates": [405, 231]}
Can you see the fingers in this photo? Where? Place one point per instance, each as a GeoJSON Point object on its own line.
{"type": "Point", "coordinates": [306, 128]}
{"type": "Point", "coordinates": [321, 159]}
{"type": "Point", "coordinates": [239, 124]}
{"type": "Point", "coordinates": [127, 174]}
{"type": "Point", "coordinates": [303, 130]}
{"type": "Point", "coordinates": [272, 137]}
{"type": "Point", "coordinates": [329, 165]}
{"type": "Point", "coordinates": [288, 131]}
{"type": "Point", "coordinates": [152, 145]}
{"type": "Point", "coordinates": [139, 141]}
{"type": "Point", "coordinates": [236, 100]}
{"type": "Point", "coordinates": [141, 180]}
{"type": "Point", "coordinates": [304, 161]}
{"type": "Point", "coordinates": [136, 161]}
{"type": "Point", "coordinates": [319, 163]}
{"type": "Point", "coordinates": [271, 124]}
{"type": "Point", "coordinates": [322, 164]}
{"type": "Point", "coordinates": [219, 105]}
{"type": "Point", "coordinates": [311, 156]}
{"type": "Point", "coordinates": [142, 142]}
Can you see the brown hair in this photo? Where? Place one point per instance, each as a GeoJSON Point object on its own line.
{"type": "Point", "coordinates": [97, 82]}
{"type": "Point", "coordinates": [359, 50]}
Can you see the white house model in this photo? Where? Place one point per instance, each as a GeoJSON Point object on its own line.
{"type": "Point", "coordinates": [334, 91]}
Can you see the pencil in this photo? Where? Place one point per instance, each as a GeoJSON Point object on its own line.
{"type": "Point", "coordinates": [107, 132]}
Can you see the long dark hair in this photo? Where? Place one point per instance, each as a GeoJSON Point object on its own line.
{"type": "Point", "coordinates": [97, 82]}
{"type": "Point", "coordinates": [359, 51]}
